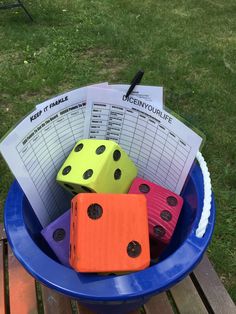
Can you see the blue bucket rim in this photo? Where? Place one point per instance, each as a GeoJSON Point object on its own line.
{"type": "Point", "coordinates": [155, 279]}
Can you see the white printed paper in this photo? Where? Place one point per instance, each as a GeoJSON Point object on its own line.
{"type": "Point", "coordinates": [58, 101]}
{"type": "Point", "coordinates": [161, 146]}
{"type": "Point", "coordinates": [151, 94]}
{"type": "Point", "coordinates": [36, 149]}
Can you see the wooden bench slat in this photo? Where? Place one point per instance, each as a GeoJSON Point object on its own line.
{"type": "Point", "coordinates": [22, 292]}
{"type": "Point", "coordinates": [2, 289]}
{"type": "Point", "coordinates": [83, 310]}
{"type": "Point", "coordinates": [159, 304]}
{"type": "Point", "coordinates": [55, 303]}
{"type": "Point", "coordinates": [217, 296]}
{"type": "Point", "coordinates": [2, 232]}
{"type": "Point", "coordinates": [187, 298]}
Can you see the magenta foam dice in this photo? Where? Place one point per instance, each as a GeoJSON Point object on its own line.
{"type": "Point", "coordinates": [57, 235]}
{"type": "Point", "coordinates": [164, 208]}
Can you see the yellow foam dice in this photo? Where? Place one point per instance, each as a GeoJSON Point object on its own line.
{"type": "Point", "coordinates": [100, 166]}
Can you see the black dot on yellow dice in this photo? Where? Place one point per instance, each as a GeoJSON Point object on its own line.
{"type": "Point", "coordinates": [86, 189]}
{"type": "Point", "coordinates": [88, 174]}
{"type": "Point", "coordinates": [116, 155]}
{"type": "Point", "coordinates": [66, 170]}
{"type": "Point", "coordinates": [78, 147]}
{"type": "Point", "coordinates": [68, 186]}
{"type": "Point", "coordinates": [100, 149]}
{"type": "Point", "coordinates": [117, 174]}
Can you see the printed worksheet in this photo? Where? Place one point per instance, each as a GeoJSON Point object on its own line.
{"type": "Point", "coordinates": [151, 94]}
{"type": "Point", "coordinates": [162, 147]}
{"type": "Point", "coordinates": [58, 101]}
{"type": "Point", "coordinates": [37, 147]}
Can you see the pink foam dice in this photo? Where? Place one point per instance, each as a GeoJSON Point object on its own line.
{"type": "Point", "coordinates": [164, 208]}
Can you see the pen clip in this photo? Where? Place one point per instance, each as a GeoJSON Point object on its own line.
{"type": "Point", "coordinates": [135, 81]}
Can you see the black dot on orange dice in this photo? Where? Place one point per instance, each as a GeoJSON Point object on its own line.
{"type": "Point", "coordinates": [78, 147]}
{"type": "Point", "coordinates": [144, 188]}
{"type": "Point", "coordinates": [95, 211]}
{"type": "Point", "coordinates": [117, 174]}
{"type": "Point", "coordinates": [88, 174]}
{"type": "Point", "coordinates": [171, 200]}
{"type": "Point", "coordinates": [66, 170]}
{"type": "Point", "coordinates": [166, 215]}
{"type": "Point", "coordinates": [116, 155]}
{"type": "Point", "coordinates": [59, 234]}
{"type": "Point", "coordinates": [100, 149]}
{"type": "Point", "coordinates": [159, 231]}
{"type": "Point", "coordinates": [134, 249]}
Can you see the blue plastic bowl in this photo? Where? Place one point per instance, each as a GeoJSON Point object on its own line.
{"type": "Point", "coordinates": [110, 294]}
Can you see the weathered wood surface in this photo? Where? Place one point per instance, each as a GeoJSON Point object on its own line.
{"type": "Point", "coordinates": [2, 232]}
{"type": "Point", "coordinates": [22, 292]}
{"type": "Point", "coordinates": [2, 279]}
{"type": "Point", "coordinates": [209, 284]}
{"type": "Point", "coordinates": [55, 303]}
{"type": "Point", "coordinates": [83, 310]}
{"type": "Point", "coordinates": [187, 299]}
{"type": "Point", "coordinates": [159, 304]}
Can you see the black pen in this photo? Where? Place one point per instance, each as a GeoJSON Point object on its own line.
{"type": "Point", "coordinates": [135, 81]}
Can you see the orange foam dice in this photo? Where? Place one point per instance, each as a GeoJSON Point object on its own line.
{"type": "Point", "coordinates": [109, 233]}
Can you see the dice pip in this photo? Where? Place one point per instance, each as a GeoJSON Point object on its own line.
{"type": "Point", "coordinates": [109, 233]}
{"type": "Point", "coordinates": [57, 235]}
{"type": "Point", "coordinates": [164, 208]}
{"type": "Point", "coordinates": [100, 166]}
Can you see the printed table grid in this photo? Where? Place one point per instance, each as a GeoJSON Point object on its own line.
{"type": "Point", "coordinates": [159, 153]}
{"type": "Point", "coordinates": [44, 153]}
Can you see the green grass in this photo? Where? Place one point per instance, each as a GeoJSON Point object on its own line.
{"type": "Point", "coordinates": [186, 46]}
